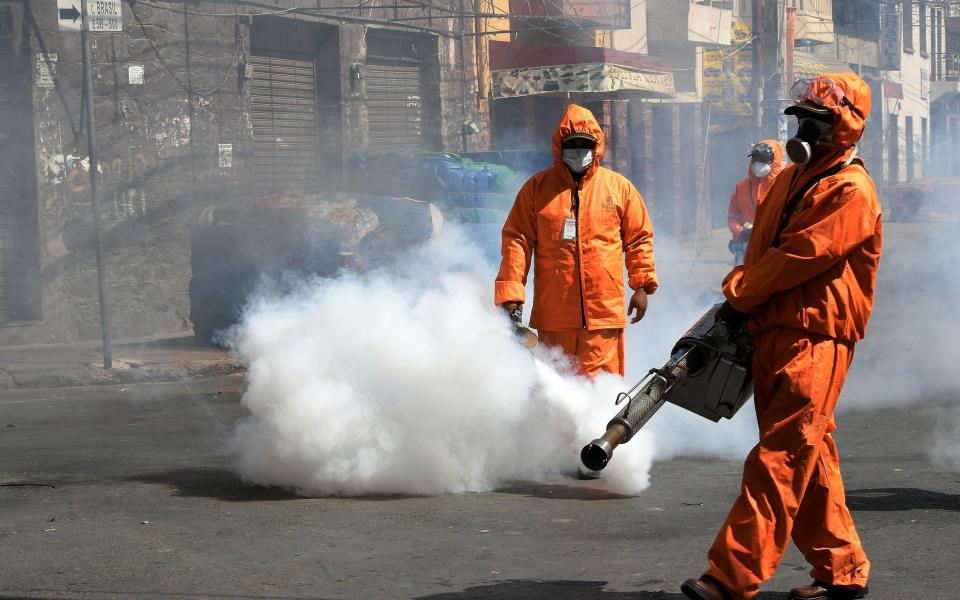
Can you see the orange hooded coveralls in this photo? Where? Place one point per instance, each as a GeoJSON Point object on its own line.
{"type": "Point", "coordinates": [578, 287]}
{"type": "Point", "coordinates": [749, 192]}
{"type": "Point", "coordinates": [809, 300]}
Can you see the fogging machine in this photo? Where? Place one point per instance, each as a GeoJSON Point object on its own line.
{"type": "Point", "coordinates": [708, 373]}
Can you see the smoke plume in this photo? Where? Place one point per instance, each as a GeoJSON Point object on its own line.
{"type": "Point", "coordinates": [409, 381]}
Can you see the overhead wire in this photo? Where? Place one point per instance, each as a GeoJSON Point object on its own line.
{"type": "Point", "coordinates": [238, 45]}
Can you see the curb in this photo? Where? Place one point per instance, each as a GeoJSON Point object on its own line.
{"type": "Point", "coordinates": [123, 372]}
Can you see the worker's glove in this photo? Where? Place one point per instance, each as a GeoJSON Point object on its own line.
{"type": "Point", "coordinates": [514, 310]}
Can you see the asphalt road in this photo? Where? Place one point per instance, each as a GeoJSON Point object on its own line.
{"type": "Point", "coordinates": [109, 492]}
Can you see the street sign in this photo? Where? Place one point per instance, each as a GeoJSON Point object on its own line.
{"type": "Point", "coordinates": [68, 15]}
{"type": "Point", "coordinates": [890, 40]}
{"type": "Point", "coordinates": [102, 15]}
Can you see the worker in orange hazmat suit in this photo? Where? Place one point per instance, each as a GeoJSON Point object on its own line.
{"type": "Point", "coordinates": [807, 289]}
{"type": "Point", "coordinates": [766, 162]}
{"type": "Point", "coordinates": [575, 222]}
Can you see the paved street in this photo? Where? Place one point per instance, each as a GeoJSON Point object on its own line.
{"type": "Point", "coordinates": [111, 492]}
{"type": "Point", "coordinates": [126, 491]}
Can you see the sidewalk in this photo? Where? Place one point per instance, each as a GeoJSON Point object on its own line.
{"type": "Point", "coordinates": [134, 361]}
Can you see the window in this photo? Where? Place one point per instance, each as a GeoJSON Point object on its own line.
{"type": "Point", "coordinates": [908, 26]}
{"type": "Point", "coordinates": [937, 45]}
{"type": "Point", "coordinates": [908, 127]}
{"type": "Point", "coordinates": [923, 27]}
{"type": "Point", "coordinates": [934, 44]}
{"type": "Point", "coordinates": [893, 149]}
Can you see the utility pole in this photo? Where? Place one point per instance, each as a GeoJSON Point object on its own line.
{"type": "Point", "coordinates": [756, 30]}
{"type": "Point", "coordinates": [465, 126]}
{"type": "Point", "coordinates": [770, 45]}
{"type": "Point", "coordinates": [95, 198]}
{"type": "Point", "coordinates": [767, 78]}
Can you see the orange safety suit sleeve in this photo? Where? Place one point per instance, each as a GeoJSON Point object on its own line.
{"type": "Point", "coordinates": [816, 238]}
{"type": "Point", "coordinates": [636, 230]}
{"type": "Point", "coordinates": [734, 218]}
{"type": "Point", "coordinates": [518, 240]}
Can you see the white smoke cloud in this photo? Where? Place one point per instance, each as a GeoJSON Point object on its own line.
{"type": "Point", "coordinates": [944, 448]}
{"type": "Point", "coordinates": [409, 381]}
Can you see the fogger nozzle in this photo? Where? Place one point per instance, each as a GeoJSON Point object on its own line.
{"type": "Point", "coordinates": [708, 373]}
{"type": "Point", "coordinates": [597, 453]}
{"type": "Point", "coordinates": [527, 337]}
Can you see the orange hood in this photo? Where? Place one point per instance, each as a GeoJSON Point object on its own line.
{"type": "Point", "coordinates": [577, 119]}
{"type": "Point", "coordinates": [848, 126]}
{"type": "Point", "coordinates": [777, 165]}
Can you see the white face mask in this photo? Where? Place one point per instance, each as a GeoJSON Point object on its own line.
{"type": "Point", "coordinates": [577, 160]}
{"type": "Point", "coordinates": [760, 170]}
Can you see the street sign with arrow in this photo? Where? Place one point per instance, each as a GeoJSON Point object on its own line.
{"type": "Point", "coordinates": [103, 15]}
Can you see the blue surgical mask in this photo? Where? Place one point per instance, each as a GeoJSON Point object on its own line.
{"type": "Point", "coordinates": [577, 160]}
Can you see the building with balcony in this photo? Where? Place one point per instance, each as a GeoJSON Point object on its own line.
{"type": "Point", "coordinates": [602, 56]}
{"type": "Point", "coordinates": [945, 97]}
{"type": "Point", "coordinates": [900, 49]}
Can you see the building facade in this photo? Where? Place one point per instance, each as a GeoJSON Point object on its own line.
{"type": "Point", "coordinates": [197, 104]}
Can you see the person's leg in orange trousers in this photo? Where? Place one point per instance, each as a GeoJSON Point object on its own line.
{"type": "Point", "coordinates": [791, 480]}
{"type": "Point", "coordinates": [592, 352]}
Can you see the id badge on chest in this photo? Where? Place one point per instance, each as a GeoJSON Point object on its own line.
{"type": "Point", "coordinates": [569, 230]}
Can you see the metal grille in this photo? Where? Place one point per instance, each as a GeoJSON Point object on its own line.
{"type": "Point", "coordinates": [283, 98]}
{"type": "Point", "coordinates": [393, 104]}
{"type": "Point", "coordinates": [286, 35]}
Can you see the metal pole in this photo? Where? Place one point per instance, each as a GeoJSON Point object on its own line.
{"type": "Point", "coordinates": [95, 198]}
{"type": "Point", "coordinates": [188, 65]}
{"type": "Point", "coordinates": [463, 82]}
{"type": "Point", "coordinates": [756, 19]}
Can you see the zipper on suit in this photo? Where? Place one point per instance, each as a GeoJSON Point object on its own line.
{"type": "Point", "coordinates": [576, 255]}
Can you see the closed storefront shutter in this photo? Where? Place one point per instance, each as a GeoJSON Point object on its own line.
{"type": "Point", "coordinates": [393, 104]}
{"type": "Point", "coordinates": [283, 99]}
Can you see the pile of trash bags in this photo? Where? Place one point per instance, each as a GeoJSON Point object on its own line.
{"type": "Point", "coordinates": [476, 195]}
{"type": "Point", "coordinates": [444, 178]}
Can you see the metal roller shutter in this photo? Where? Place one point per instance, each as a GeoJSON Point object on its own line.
{"type": "Point", "coordinates": [283, 98]}
{"type": "Point", "coordinates": [393, 104]}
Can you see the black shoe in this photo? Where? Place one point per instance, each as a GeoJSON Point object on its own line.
{"type": "Point", "coordinates": [705, 588]}
{"type": "Point", "coordinates": [819, 590]}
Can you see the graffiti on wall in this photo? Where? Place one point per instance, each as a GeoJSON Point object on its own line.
{"type": "Point", "coordinates": [117, 171]}
{"type": "Point", "coordinates": [122, 177]}
{"type": "Point", "coordinates": [175, 134]}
